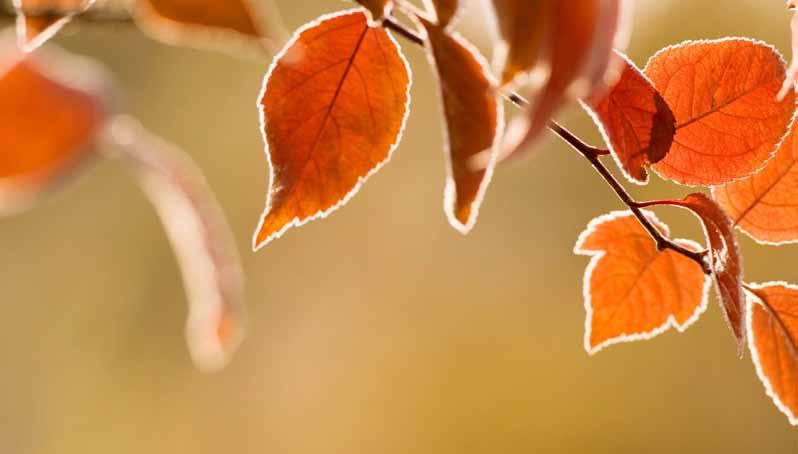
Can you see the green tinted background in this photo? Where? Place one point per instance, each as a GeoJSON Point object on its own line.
{"type": "Point", "coordinates": [379, 329]}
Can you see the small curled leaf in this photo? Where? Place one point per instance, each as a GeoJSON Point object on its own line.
{"type": "Point", "coordinates": [445, 11]}
{"type": "Point", "coordinates": [333, 108]}
{"type": "Point", "coordinates": [632, 290]}
{"type": "Point", "coordinates": [469, 98]}
{"type": "Point", "coordinates": [773, 342]}
{"type": "Point", "coordinates": [635, 121]}
{"type": "Point", "coordinates": [725, 260]}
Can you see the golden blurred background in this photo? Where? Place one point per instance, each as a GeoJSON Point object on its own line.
{"type": "Point", "coordinates": [377, 330]}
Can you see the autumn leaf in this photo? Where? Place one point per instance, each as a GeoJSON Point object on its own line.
{"type": "Point", "coordinates": [723, 94]}
{"type": "Point", "coordinates": [633, 290]}
{"type": "Point", "coordinates": [635, 121]}
{"type": "Point", "coordinates": [200, 21]}
{"type": "Point", "coordinates": [39, 20]}
{"type": "Point", "coordinates": [725, 260]}
{"type": "Point", "coordinates": [773, 342]}
{"type": "Point", "coordinates": [200, 237]}
{"type": "Point", "coordinates": [579, 43]}
{"type": "Point", "coordinates": [333, 107]}
{"type": "Point", "coordinates": [469, 98]}
{"type": "Point", "coordinates": [522, 26]}
{"type": "Point", "coordinates": [765, 205]}
{"type": "Point", "coordinates": [377, 8]}
{"type": "Point", "coordinates": [52, 107]}
{"type": "Point", "coordinates": [445, 10]}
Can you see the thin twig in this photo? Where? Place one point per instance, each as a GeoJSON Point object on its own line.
{"type": "Point", "coordinates": [590, 153]}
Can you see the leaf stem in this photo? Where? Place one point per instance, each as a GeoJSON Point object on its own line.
{"type": "Point", "coordinates": [590, 153]}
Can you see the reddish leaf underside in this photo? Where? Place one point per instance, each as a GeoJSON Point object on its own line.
{"type": "Point", "coordinates": [765, 205]}
{"type": "Point", "coordinates": [723, 94]}
{"type": "Point", "coordinates": [192, 21]}
{"type": "Point", "coordinates": [636, 122]}
{"type": "Point", "coordinates": [39, 20]}
{"type": "Point", "coordinates": [773, 342]}
{"type": "Point", "coordinates": [725, 260]}
{"type": "Point", "coordinates": [49, 116]}
{"type": "Point", "coordinates": [333, 108]}
{"type": "Point", "coordinates": [632, 290]}
{"type": "Point", "coordinates": [469, 98]}
{"type": "Point", "coordinates": [522, 26]}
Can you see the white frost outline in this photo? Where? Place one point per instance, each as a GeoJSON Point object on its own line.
{"type": "Point", "coordinates": [595, 259]}
{"type": "Point", "coordinates": [691, 42]}
{"type": "Point", "coordinates": [450, 188]}
{"type": "Point", "coordinates": [604, 135]}
{"type": "Point", "coordinates": [321, 214]}
{"type": "Point", "coordinates": [769, 391]}
{"type": "Point", "coordinates": [46, 34]}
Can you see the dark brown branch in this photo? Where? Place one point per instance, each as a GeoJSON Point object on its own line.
{"type": "Point", "coordinates": [591, 154]}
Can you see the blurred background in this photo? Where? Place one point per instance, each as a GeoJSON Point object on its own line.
{"type": "Point", "coordinates": [379, 329]}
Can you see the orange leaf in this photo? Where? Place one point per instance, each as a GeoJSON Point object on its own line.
{"type": "Point", "coordinates": [635, 121]}
{"type": "Point", "coordinates": [522, 26]}
{"type": "Point", "coordinates": [469, 98]}
{"type": "Point", "coordinates": [765, 205]}
{"type": "Point", "coordinates": [579, 41]}
{"type": "Point", "coordinates": [445, 10]}
{"type": "Point", "coordinates": [52, 107]}
{"type": "Point", "coordinates": [632, 290]}
{"type": "Point", "coordinates": [198, 21]}
{"type": "Point", "coordinates": [377, 8]}
{"type": "Point", "coordinates": [725, 260]}
{"type": "Point", "coordinates": [723, 94]}
{"type": "Point", "coordinates": [39, 20]}
{"type": "Point", "coordinates": [773, 342]}
{"type": "Point", "coordinates": [333, 107]}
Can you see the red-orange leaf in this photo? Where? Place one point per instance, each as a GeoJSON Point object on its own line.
{"type": "Point", "coordinates": [765, 205]}
{"type": "Point", "coordinates": [198, 21]}
{"type": "Point", "coordinates": [522, 26]}
{"type": "Point", "coordinates": [52, 107]}
{"type": "Point", "coordinates": [572, 32]}
{"type": "Point", "coordinates": [333, 107]}
{"type": "Point", "coordinates": [773, 342]}
{"type": "Point", "coordinates": [39, 20]}
{"type": "Point", "coordinates": [445, 10]}
{"type": "Point", "coordinates": [635, 121]}
{"type": "Point", "coordinates": [377, 8]}
{"type": "Point", "coordinates": [469, 98]}
{"type": "Point", "coordinates": [723, 94]}
{"type": "Point", "coordinates": [725, 260]}
{"type": "Point", "coordinates": [632, 290]}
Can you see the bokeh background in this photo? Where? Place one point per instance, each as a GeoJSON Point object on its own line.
{"type": "Point", "coordinates": [379, 329]}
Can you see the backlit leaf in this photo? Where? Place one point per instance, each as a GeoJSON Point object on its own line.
{"type": "Point", "coordinates": [52, 107]}
{"type": "Point", "coordinates": [333, 108]}
{"type": "Point", "coordinates": [723, 94]}
{"type": "Point", "coordinates": [765, 205]}
{"type": "Point", "coordinates": [632, 290]}
{"type": "Point", "coordinates": [522, 26]}
{"type": "Point", "coordinates": [39, 20]}
{"type": "Point", "coordinates": [469, 99]}
{"type": "Point", "coordinates": [445, 10]}
{"type": "Point", "coordinates": [200, 21]}
{"type": "Point", "coordinates": [579, 42]}
{"type": "Point", "coordinates": [377, 8]}
{"type": "Point", "coordinates": [200, 237]}
{"type": "Point", "coordinates": [773, 342]}
{"type": "Point", "coordinates": [635, 121]}
{"type": "Point", "coordinates": [725, 260]}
